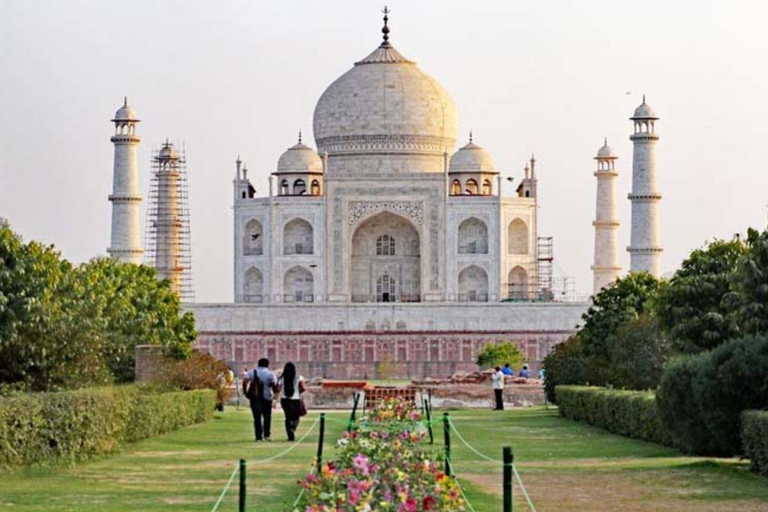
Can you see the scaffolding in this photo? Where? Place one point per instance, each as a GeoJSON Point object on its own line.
{"type": "Point", "coordinates": [168, 240]}
{"type": "Point", "coordinates": [544, 268]}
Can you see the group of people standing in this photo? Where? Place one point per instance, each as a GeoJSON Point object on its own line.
{"type": "Point", "coordinates": [261, 386]}
{"type": "Point", "coordinates": [498, 376]}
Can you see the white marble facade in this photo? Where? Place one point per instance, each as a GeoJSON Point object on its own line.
{"type": "Point", "coordinates": [384, 210]}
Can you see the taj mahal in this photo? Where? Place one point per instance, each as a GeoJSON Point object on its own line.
{"type": "Point", "coordinates": [385, 246]}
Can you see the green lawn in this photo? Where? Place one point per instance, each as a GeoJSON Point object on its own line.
{"type": "Point", "coordinates": [565, 466]}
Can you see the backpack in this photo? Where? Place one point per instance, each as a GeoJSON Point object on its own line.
{"type": "Point", "coordinates": [255, 387]}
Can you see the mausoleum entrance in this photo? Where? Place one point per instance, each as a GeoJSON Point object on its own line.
{"type": "Point", "coordinates": [386, 260]}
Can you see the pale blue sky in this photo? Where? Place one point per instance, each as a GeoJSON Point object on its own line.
{"type": "Point", "coordinates": [243, 76]}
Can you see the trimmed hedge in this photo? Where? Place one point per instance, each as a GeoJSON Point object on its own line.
{"type": "Point", "coordinates": [754, 439]}
{"type": "Point", "coordinates": [71, 425]}
{"type": "Point", "coordinates": [628, 413]}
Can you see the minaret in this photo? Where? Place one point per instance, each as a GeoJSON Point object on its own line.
{"type": "Point", "coordinates": [168, 219]}
{"type": "Point", "coordinates": [606, 267]}
{"type": "Point", "coordinates": [125, 242]}
{"type": "Point", "coordinates": [645, 247]}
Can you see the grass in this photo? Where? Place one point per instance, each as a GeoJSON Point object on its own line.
{"type": "Point", "coordinates": [566, 466]}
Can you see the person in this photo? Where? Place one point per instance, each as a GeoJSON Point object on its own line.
{"type": "Point", "coordinates": [507, 370]}
{"type": "Point", "coordinates": [259, 386]}
{"type": "Point", "coordinates": [541, 374]}
{"type": "Point", "coordinates": [525, 372]}
{"type": "Point", "coordinates": [498, 388]}
{"type": "Point", "coordinates": [292, 386]}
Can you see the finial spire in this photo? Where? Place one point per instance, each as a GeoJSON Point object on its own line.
{"type": "Point", "coordinates": [643, 99]}
{"type": "Point", "coordinates": [470, 136]}
{"type": "Point", "coordinates": [605, 142]}
{"type": "Point", "coordinates": [299, 136]}
{"type": "Point", "coordinates": [125, 101]}
{"type": "Point", "coordinates": [385, 29]}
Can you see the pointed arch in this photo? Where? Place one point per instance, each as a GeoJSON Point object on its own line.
{"type": "Point", "coordinates": [315, 189]}
{"type": "Point", "coordinates": [471, 187]}
{"type": "Point", "coordinates": [253, 285]}
{"type": "Point", "coordinates": [487, 189]}
{"type": "Point", "coordinates": [517, 237]}
{"type": "Point", "coordinates": [473, 236]}
{"type": "Point", "coordinates": [456, 188]}
{"type": "Point", "coordinates": [299, 187]}
{"type": "Point", "coordinates": [298, 237]}
{"type": "Point", "coordinates": [518, 287]}
{"type": "Point", "coordinates": [473, 284]}
{"type": "Point", "coordinates": [298, 285]}
{"type": "Point", "coordinates": [253, 238]}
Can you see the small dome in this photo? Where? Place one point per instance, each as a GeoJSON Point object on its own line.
{"type": "Point", "coordinates": [471, 158]}
{"type": "Point", "coordinates": [168, 152]}
{"type": "Point", "coordinates": [126, 113]}
{"type": "Point", "coordinates": [300, 158]}
{"type": "Point", "coordinates": [605, 151]}
{"type": "Point", "coordinates": [644, 111]}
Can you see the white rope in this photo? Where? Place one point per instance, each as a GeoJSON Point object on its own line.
{"type": "Point", "coordinates": [461, 489]}
{"type": "Point", "coordinates": [522, 488]}
{"type": "Point", "coordinates": [472, 448]}
{"type": "Point", "coordinates": [290, 448]}
{"type": "Point", "coordinates": [296, 503]}
{"type": "Point", "coordinates": [226, 488]}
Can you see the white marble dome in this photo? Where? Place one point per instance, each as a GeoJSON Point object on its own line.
{"type": "Point", "coordinates": [385, 103]}
{"type": "Point", "coordinates": [644, 111]}
{"type": "Point", "coordinates": [605, 151]}
{"type": "Point", "coordinates": [168, 152]}
{"type": "Point", "coordinates": [299, 158]}
{"type": "Point", "coordinates": [471, 158]}
{"type": "Point", "coordinates": [125, 113]}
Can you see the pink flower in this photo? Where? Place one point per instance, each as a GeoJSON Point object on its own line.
{"type": "Point", "coordinates": [360, 462]}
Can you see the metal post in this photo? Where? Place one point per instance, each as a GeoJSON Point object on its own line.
{"type": "Point", "coordinates": [447, 432]}
{"type": "Point", "coordinates": [241, 506]}
{"type": "Point", "coordinates": [320, 443]}
{"type": "Point", "coordinates": [508, 462]}
{"type": "Point", "coordinates": [353, 416]}
{"type": "Point", "coordinates": [428, 408]}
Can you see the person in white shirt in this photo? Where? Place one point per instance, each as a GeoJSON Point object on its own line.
{"type": "Point", "coordinates": [292, 386]}
{"type": "Point", "coordinates": [498, 388]}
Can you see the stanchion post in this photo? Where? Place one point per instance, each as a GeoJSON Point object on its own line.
{"type": "Point", "coordinates": [447, 433]}
{"type": "Point", "coordinates": [509, 460]}
{"type": "Point", "coordinates": [428, 408]}
{"type": "Point", "coordinates": [353, 416]}
{"type": "Point", "coordinates": [320, 443]}
{"type": "Point", "coordinates": [241, 502]}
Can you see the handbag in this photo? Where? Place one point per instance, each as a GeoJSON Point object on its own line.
{"type": "Point", "coordinates": [302, 408]}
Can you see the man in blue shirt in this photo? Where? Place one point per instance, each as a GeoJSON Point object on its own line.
{"type": "Point", "coordinates": [525, 372]}
{"type": "Point", "coordinates": [507, 370]}
{"type": "Point", "coordinates": [260, 386]}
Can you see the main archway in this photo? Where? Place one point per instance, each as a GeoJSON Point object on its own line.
{"type": "Point", "coordinates": [386, 260]}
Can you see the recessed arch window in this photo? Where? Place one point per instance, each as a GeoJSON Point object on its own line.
{"type": "Point", "coordinates": [298, 237]}
{"type": "Point", "coordinates": [299, 187]}
{"type": "Point", "coordinates": [315, 191]}
{"type": "Point", "coordinates": [471, 187]}
{"type": "Point", "coordinates": [284, 188]}
{"type": "Point", "coordinates": [385, 246]}
{"type": "Point", "coordinates": [486, 187]}
{"type": "Point", "coordinates": [456, 188]}
{"type": "Point", "coordinates": [517, 237]}
{"type": "Point", "coordinates": [386, 288]}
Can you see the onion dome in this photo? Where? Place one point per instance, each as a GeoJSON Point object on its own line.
{"type": "Point", "coordinates": [644, 111]}
{"type": "Point", "coordinates": [299, 159]}
{"type": "Point", "coordinates": [385, 104]}
{"type": "Point", "coordinates": [168, 152]}
{"type": "Point", "coordinates": [471, 158]}
{"type": "Point", "coordinates": [126, 113]}
{"type": "Point", "coordinates": [605, 152]}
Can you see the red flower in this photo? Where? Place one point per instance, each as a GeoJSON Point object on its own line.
{"type": "Point", "coordinates": [428, 503]}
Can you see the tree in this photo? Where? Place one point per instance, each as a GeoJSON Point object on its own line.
{"type": "Point", "coordinates": [750, 285]}
{"type": "Point", "coordinates": [499, 354]}
{"type": "Point", "coordinates": [620, 303]}
{"type": "Point", "coordinates": [637, 353]}
{"type": "Point", "coordinates": [564, 365]}
{"type": "Point", "coordinates": [694, 308]}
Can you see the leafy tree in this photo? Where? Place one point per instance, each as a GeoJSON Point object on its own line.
{"type": "Point", "coordinates": [750, 285]}
{"type": "Point", "coordinates": [637, 353]}
{"type": "Point", "coordinates": [620, 303]}
{"type": "Point", "coordinates": [563, 366]}
{"type": "Point", "coordinates": [499, 354]}
{"type": "Point", "coordinates": [694, 308]}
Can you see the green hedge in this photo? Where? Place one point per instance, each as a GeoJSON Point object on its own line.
{"type": "Point", "coordinates": [43, 427]}
{"type": "Point", "coordinates": [754, 439]}
{"type": "Point", "coordinates": [628, 413]}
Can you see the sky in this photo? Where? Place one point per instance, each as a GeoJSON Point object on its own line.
{"type": "Point", "coordinates": [242, 77]}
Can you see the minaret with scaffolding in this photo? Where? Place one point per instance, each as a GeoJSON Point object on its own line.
{"type": "Point", "coordinates": [168, 232]}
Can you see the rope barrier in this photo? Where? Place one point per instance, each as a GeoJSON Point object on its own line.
{"type": "Point", "coordinates": [461, 489]}
{"type": "Point", "coordinates": [301, 495]}
{"type": "Point", "coordinates": [226, 488]}
{"type": "Point", "coordinates": [522, 488]}
{"type": "Point", "coordinates": [290, 448]}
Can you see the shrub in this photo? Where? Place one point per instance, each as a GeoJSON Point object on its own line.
{"type": "Point", "coordinates": [678, 407]}
{"type": "Point", "coordinates": [701, 398]}
{"type": "Point", "coordinates": [637, 353]}
{"type": "Point", "coordinates": [754, 439]}
{"type": "Point", "coordinates": [499, 354]}
{"type": "Point", "coordinates": [564, 365]}
{"type": "Point", "coordinates": [71, 425]}
{"type": "Point", "coordinates": [628, 413]}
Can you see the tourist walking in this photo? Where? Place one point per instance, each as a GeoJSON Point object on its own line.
{"type": "Point", "coordinates": [292, 386]}
{"type": "Point", "coordinates": [259, 386]}
{"type": "Point", "coordinates": [498, 388]}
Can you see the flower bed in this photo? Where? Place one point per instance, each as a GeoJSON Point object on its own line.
{"type": "Point", "coordinates": [383, 465]}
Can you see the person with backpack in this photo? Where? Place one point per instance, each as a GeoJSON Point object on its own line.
{"type": "Point", "coordinates": [292, 386]}
{"type": "Point", "coordinates": [259, 386]}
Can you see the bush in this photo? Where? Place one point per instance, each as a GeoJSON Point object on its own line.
{"type": "Point", "coordinates": [628, 413]}
{"type": "Point", "coordinates": [754, 439]}
{"type": "Point", "coordinates": [564, 365]}
{"type": "Point", "coordinates": [678, 407]}
{"type": "Point", "coordinates": [499, 354]}
{"type": "Point", "coordinates": [701, 398]}
{"type": "Point", "coordinates": [71, 425]}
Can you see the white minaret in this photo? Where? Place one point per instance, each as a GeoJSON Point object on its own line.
{"type": "Point", "coordinates": [645, 247]}
{"type": "Point", "coordinates": [168, 222]}
{"type": "Point", "coordinates": [606, 263]}
{"type": "Point", "coordinates": [125, 242]}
